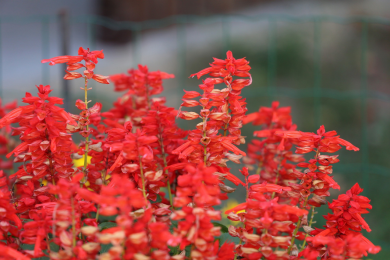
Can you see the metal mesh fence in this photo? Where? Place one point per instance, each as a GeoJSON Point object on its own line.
{"type": "Point", "coordinates": [318, 93]}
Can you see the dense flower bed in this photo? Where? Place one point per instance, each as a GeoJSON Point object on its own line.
{"type": "Point", "coordinates": [139, 187]}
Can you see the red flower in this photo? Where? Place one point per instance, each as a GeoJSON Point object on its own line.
{"type": "Point", "coordinates": [222, 68]}
{"type": "Point", "coordinates": [90, 58]}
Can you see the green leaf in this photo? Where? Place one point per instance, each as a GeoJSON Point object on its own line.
{"type": "Point", "coordinates": [173, 225]}
{"type": "Point", "coordinates": [104, 248]}
{"type": "Point", "coordinates": [188, 251]}
{"type": "Point", "coordinates": [54, 247]}
{"type": "Point", "coordinates": [105, 225]}
{"type": "Point", "coordinates": [174, 250]}
{"type": "Point", "coordinates": [106, 218]}
{"type": "Point", "coordinates": [224, 229]}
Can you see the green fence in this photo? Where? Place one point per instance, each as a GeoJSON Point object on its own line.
{"type": "Point", "coordinates": [318, 93]}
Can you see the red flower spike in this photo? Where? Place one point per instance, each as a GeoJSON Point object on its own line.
{"type": "Point", "coordinates": [90, 58]}
{"type": "Point", "coordinates": [136, 149]}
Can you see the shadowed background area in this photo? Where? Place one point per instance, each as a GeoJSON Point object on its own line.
{"type": "Point", "coordinates": [328, 60]}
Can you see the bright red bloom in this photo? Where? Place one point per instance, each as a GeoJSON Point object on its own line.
{"type": "Point", "coordinates": [90, 58]}
{"type": "Point", "coordinates": [222, 68]}
{"type": "Point", "coordinates": [148, 192]}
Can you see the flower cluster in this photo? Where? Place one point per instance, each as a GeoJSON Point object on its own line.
{"type": "Point", "coordinates": [139, 187]}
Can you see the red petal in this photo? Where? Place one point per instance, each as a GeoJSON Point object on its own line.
{"type": "Point", "coordinates": [236, 208]}
{"type": "Point", "coordinates": [234, 179]}
{"type": "Point", "coordinates": [72, 75]}
{"type": "Point", "coordinates": [101, 79]}
{"type": "Point", "coordinates": [8, 251]}
{"type": "Point", "coordinates": [8, 118]}
{"type": "Point", "coordinates": [18, 149]}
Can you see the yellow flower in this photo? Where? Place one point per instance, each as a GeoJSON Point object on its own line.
{"type": "Point", "coordinates": [80, 162]}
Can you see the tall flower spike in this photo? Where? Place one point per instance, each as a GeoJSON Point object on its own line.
{"type": "Point", "coordinates": [221, 111]}
{"type": "Point", "coordinates": [90, 59]}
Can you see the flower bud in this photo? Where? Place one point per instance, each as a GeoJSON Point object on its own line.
{"type": "Point", "coordinates": [200, 126]}
{"type": "Point", "coordinates": [188, 115]}
{"type": "Point", "coordinates": [65, 238]}
{"type": "Point", "coordinates": [304, 220]}
{"type": "Point", "coordinates": [232, 231]}
{"type": "Point", "coordinates": [139, 256]}
{"type": "Point", "coordinates": [201, 244]}
{"type": "Point", "coordinates": [4, 225]}
{"type": "Point", "coordinates": [76, 156]}
{"type": "Point", "coordinates": [154, 176]}
{"type": "Point", "coordinates": [234, 157]}
{"type": "Point", "coordinates": [205, 140]}
{"type": "Point", "coordinates": [96, 147]}
{"type": "Point", "coordinates": [282, 240]}
{"type": "Point", "coordinates": [178, 214]}
{"type": "Point", "coordinates": [198, 212]}
{"type": "Point", "coordinates": [189, 103]}
{"type": "Point", "coordinates": [281, 254]}
{"type": "Point", "coordinates": [89, 230]}
{"type": "Point", "coordinates": [104, 238]}
{"type": "Point", "coordinates": [204, 101]}
{"type": "Point", "coordinates": [251, 237]}
{"type": "Point", "coordinates": [266, 239]}
{"type": "Point", "coordinates": [130, 167]}
{"type": "Point", "coordinates": [319, 199]}
{"type": "Point", "coordinates": [226, 189]}
{"type": "Point", "coordinates": [305, 193]}
{"type": "Point", "coordinates": [138, 238]}
{"type": "Point", "coordinates": [318, 184]}
{"type": "Point", "coordinates": [214, 214]}
{"type": "Point", "coordinates": [308, 229]}
{"type": "Point", "coordinates": [233, 217]}
{"type": "Point", "coordinates": [249, 250]}
{"type": "Point", "coordinates": [294, 251]}
{"type": "Point", "coordinates": [266, 250]}
{"type": "Point", "coordinates": [44, 145]}
{"type": "Point", "coordinates": [91, 247]}
{"type": "Point", "coordinates": [218, 116]}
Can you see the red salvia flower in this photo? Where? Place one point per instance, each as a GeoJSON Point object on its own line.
{"type": "Point", "coordinates": [90, 58]}
{"type": "Point", "coordinates": [150, 190]}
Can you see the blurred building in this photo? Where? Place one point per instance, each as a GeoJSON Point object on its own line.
{"type": "Point", "coordinates": [138, 11]}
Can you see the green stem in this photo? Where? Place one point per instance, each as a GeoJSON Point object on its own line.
{"type": "Point", "coordinates": [73, 223]}
{"type": "Point", "coordinates": [310, 223]}
{"type": "Point", "coordinates": [300, 218]}
{"type": "Point", "coordinates": [87, 129]}
{"type": "Point", "coordinates": [277, 175]}
{"type": "Point", "coordinates": [142, 174]}
{"type": "Point", "coordinates": [97, 212]}
{"type": "Point", "coordinates": [166, 171]}
{"type": "Point", "coordinates": [296, 228]}
{"type": "Point", "coordinates": [123, 247]}
{"type": "Point", "coordinates": [227, 110]}
{"type": "Point", "coordinates": [204, 135]}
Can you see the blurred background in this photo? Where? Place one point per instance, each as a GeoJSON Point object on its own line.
{"type": "Point", "coordinates": [328, 60]}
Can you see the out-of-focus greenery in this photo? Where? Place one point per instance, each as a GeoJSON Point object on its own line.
{"type": "Point", "coordinates": [339, 106]}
